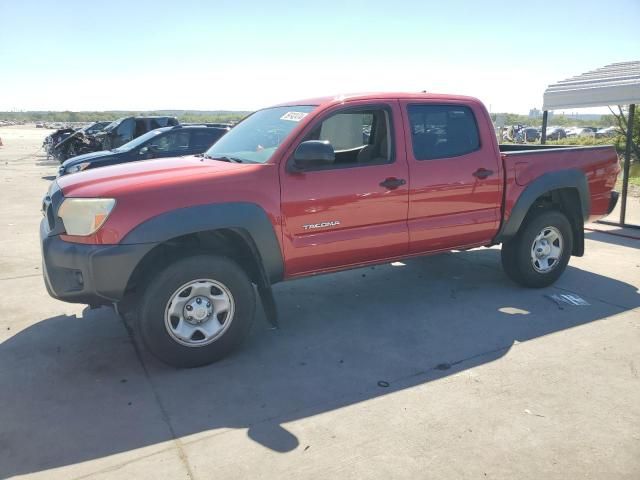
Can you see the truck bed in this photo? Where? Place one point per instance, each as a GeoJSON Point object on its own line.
{"type": "Point", "coordinates": [523, 147]}
{"type": "Point", "coordinates": [525, 163]}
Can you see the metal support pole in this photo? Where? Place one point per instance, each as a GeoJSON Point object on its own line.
{"type": "Point", "coordinates": [627, 165]}
{"type": "Point", "coordinates": [543, 138]}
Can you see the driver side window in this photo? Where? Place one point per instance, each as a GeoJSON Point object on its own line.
{"type": "Point", "coordinates": [358, 136]}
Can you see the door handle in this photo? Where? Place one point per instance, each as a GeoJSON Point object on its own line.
{"type": "Point", "coordinates": [482, 173]}
{"type": "Point", "coordinates": [392, 183]}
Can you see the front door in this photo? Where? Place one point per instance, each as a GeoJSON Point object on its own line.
{"type": "Point", "coordinates": [354, 210]}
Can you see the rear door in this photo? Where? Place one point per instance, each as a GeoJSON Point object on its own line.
{"type": "Point", "coordinates": [456, 184]}
{"type": "Point", "coordinates": [355, 210]}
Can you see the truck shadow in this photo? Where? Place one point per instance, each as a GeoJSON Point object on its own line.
{"type": "Point", "coordinates": [73, 389]}
{"type": "Point", "coordinates": [618, 237]}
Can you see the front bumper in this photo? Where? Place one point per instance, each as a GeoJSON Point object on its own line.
{"type": "Point", "coordinates": [91, 274]}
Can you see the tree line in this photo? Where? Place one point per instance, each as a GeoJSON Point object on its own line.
{"type": "Point", "coordinates": [68, 116]}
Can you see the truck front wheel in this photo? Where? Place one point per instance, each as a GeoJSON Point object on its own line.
{"type": "Point", "coordinates": [539, 253]}
{"type": "Point", "coordinates": [196, 311]}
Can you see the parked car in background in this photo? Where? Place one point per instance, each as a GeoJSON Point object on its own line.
{"type": "Point", "coordinates": [161, 142]}
{"type": "Point", "coordinates": [607, 132]}
{"type": "Point", "coordinates": [581, 132]}
{"type": "Point", "coordinates": [126, 129]}
{"type": "Point", "coordinates": [556, 133]}
{"type": "Point", "coordinates": [570, 131]}
{"type": "Point", "coordinates": [297, 190]}
{"type": "Point", "coordinates": [218, 125]}
{"type": "Point", "coordinates": [53, 140]}
{"type": "Point", "coordinates": [528, 134]}
{"type": "Point", "coordinates": [114, 135]}
{"type": "Point", "coordinates": [587, 132]}
{"type": "Point", "coordinates": [95, 127]}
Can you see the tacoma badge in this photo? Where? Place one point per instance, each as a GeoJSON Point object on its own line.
{"type": "Point", "coordinates": [311, 226]}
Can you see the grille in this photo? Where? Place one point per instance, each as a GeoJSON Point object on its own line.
{"type": "Point", "coordinates": [47, 211]}
{"type": "Point", "coordinates": [50, 217]}
{"type": "Point", "coordinates": [50, 205]}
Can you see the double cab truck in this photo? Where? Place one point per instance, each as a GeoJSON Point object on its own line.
{"type": "Point", "coordinates": [315, 186]}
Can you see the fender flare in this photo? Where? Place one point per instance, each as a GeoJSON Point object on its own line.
{"type": "Point", "coordinates": [546, 183]}
{"type": "Point", "coordinates": [246, 218]}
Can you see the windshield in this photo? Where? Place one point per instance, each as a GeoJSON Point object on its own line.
{"type": "Point", "coordinates": [112, 125]}
{"type": "Point", "coordinates": [95, 127]}
{"type": "Point", "coordinates": [256, 138]}
{"type": "Point", "coordinates": [136, 142]}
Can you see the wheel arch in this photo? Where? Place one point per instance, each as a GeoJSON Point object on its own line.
{"type": "Point", "coordinates": [213, 225]}
{"type": "Point", "coordinates": [564, 190]}
{"type": "Point", "coordinates": [241, 231]}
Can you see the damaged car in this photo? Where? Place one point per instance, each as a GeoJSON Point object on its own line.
{"type": "Point", "coordinates": [61, 134]}
{"type": "Point", "coordinates": [114, 135]}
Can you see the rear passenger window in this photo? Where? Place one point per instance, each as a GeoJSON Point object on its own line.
{"type": "Point", "coordinates": [441, 131]}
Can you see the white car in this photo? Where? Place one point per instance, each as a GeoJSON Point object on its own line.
{"type": "Point", "coordinates": [607, 132]}
{"type": "Point", "coordinates": [581, 132]}
{"type": "Point", "coordinates": [587, 132]}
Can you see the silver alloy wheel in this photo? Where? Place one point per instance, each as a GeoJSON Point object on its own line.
{"type": "Point", "coordinates": [199, 312]}
{"type": "Point", "coordinates": [546, 250]}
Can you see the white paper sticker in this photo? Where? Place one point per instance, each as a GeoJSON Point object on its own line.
{"type": "Point", "coordinates": [293, 116]}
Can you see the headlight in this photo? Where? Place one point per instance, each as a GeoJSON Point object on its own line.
{"type": "Point", "coordinates": [78, 168]}
{"type": "Point", "coordinates": [83, 216]}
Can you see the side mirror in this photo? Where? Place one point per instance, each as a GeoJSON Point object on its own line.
{"type": "Point", "coordinates": [313, 153]}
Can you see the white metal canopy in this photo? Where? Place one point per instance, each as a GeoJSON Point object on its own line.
{"type": "Point", "coordinates": [615, 84]}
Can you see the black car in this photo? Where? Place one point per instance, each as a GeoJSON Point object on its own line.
{"type": "Point", "coordinates": [556, 133]}
{"type": "Point", "coordinates": [161, 142]}
{"type": "Point", "coordinates": [527, 134]}
{"type": "Point", "coordinates": [126, 129]}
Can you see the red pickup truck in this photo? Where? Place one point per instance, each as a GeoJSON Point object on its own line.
{"type": "Point", "coordinates": [311, 187]}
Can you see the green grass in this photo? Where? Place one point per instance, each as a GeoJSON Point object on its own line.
{"type": "Point", "coordinates": [618, 142]}
{"type": "Point", "coordinates": [634, 174]}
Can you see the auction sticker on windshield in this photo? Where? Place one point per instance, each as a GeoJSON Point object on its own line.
{"type": "Point", "coordinates": [293, 116]}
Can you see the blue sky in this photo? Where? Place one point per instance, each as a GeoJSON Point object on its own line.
{"type": "Point", "coordinates": [101, 55]}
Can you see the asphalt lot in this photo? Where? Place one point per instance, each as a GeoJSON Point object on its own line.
{"type": "Point", "coordinates": [435, 368]}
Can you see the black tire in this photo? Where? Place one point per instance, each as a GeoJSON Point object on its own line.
{"type": "Point", "coordinates": [150, 323]}
{"type": "Point", "coordinates": [516, 253]}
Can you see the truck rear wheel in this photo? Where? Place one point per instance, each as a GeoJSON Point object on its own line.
{"type": "Point", "coordinates": [540, 252]}
{"type": "Point", "coordinates": [196, 311]}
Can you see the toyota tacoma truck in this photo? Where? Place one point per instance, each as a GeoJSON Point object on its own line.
{"type": "Point", "coordinates": [309, 187]}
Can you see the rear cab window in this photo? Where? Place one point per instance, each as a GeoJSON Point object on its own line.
{"type": "Point", "coordinates": [442, 131]}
